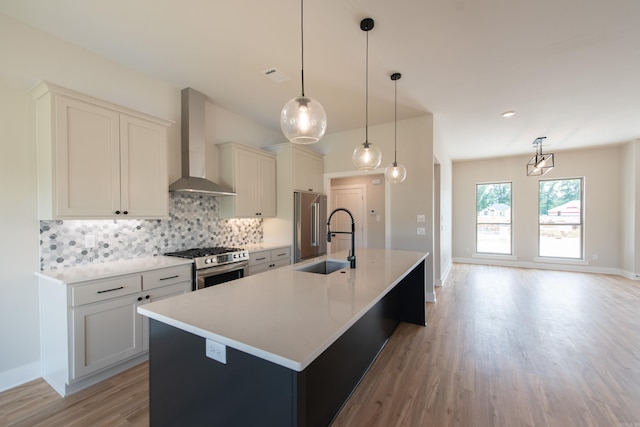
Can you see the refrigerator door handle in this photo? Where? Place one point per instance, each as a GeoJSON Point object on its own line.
{"type": "Point", "coordinates": [315, 223]}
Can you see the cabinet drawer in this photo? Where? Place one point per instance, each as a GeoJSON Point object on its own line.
{"type": "Point", "coordinates": [282, 253]}
{"type": "Point", "coordinates": [105, 289]}
{"type": "Point", "coordinates": [166, 276]}
{"type": "Point", "coordinates": [259, 268]}
{"type": "Point", "coordinates": [259, 257]}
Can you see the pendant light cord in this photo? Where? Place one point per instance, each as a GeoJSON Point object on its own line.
{"type": "Point", "coordinates": [395, 124]}
{"type": "Point", "coordinates": [302, 42]}
{"type": "Point", "coordinates": [366, 96]}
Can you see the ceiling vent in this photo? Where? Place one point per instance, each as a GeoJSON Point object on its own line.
{"type": "Point", "coordinates": [275, 75]}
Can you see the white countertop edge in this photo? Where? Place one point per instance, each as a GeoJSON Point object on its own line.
{"type": "Point", "coordinates": [259, 247]}
{"type": "Point", "coordinates": [41, 275]}
{"type": "Point", "coordinates": [265, 355]}
{"type": "Point", "coordinates": [106, 270]}
{"type": "Point", "coordinates": [298, 366]}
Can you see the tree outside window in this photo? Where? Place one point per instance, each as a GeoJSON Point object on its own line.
{"type": "Point", "coordinates": [560, 222]}
{"type": "Point", "coordinates": [493, 218]}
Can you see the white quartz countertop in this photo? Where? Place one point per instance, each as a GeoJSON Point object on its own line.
{"type": "Point", "coordinates": [105, 270]}
{"type": "Point", "coordinates": [286, 316]}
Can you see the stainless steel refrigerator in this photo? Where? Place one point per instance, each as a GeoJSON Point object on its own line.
{"type": "Point", "coordinates": [310, 225]}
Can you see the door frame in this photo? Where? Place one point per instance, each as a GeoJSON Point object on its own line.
{"type": "Point", "coordinates": [363, 202]}
{"type": "Point", "coordinates": [387, 190]}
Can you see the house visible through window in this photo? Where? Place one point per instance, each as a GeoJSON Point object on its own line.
{"type": "Point", "coordinates": [493, 218]}
{"type": "Point", "coordinates": [560, 222]}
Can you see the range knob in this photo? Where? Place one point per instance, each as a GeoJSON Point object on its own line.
{"type": "Point", "coordinates": [207, 261]}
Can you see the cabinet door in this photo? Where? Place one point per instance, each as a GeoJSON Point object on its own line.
{"type": "Point", "coordinates": [143, 160]}
{"type": "Point", "coordinates": [104, 334]}
{"type": "Point", "coordinates": [158, 294]}
{"type": "Point", "coordinates": [308, 171]}
{"type": "Point", "coordinates": [267, 186]}
{"type": "Point", "coordinates": [316, 172]}
{"type": "Point", "coordinates": [87, 159]}
{"type": "Point", "coordinates": [252, 175]}
{"type": "Point", "coordinates": [246, 177]}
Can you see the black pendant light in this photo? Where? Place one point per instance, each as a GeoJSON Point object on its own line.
{"type": "Point", "coordinates": [395, 172]}
{"type": "Point", "coordinates": [368, 156]}
{"type": "Point", "coordinates": [303, 120]}
{"type": "Point", "coordinates": [540, 163]}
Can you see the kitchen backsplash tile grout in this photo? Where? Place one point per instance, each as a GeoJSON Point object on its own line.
{"type": "Point", "coordinates": [193, 222]}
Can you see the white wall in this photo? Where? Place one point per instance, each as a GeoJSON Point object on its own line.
{"type": "Point", "coordinates": [412, 197]}
{"type": "Point", "coordinates": [600, 168]}
{"type": "Point", "coordinates": [29, 56]}
{"type": "Point", "coordinates": [630, 219]}
{"type": "Point", "coordinates": [20, 354]}
{"type": "Point", "coordinates": [446, 199]}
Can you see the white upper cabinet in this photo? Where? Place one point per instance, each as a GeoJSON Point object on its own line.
{"type": "Point", "coordinates": [308, 170]}
{"type": "Point", "coordinates": [251, 173]}
{"type": "Point", "coordinates": [98, 160]}
{"type": "Point", "coordinates": [299, 168]}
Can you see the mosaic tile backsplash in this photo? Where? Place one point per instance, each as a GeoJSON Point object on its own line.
{"type": "Point", "coordinates": [193, 223]}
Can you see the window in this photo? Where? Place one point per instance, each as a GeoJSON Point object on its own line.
{"type": "Point", "coordinates": [493, 218]}
{"type": "Point", "coordinates": [560, 218]}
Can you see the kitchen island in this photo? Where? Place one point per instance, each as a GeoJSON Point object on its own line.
{"type": "Point", "coordinates": [284, 347]}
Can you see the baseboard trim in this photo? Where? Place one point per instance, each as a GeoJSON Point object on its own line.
{"type": "Point", "coordinates": [76, 386]}
{"type": "Point", "coordinates": [430, 297]}
{"type": "Point", "coordinates": [20, 375]}
{"type": "Point", "coordinates": [542, 266]}
{"type": "Point", "coordinates": [445, 275]}
{"type": "Point", "coordinates": [630, 275]}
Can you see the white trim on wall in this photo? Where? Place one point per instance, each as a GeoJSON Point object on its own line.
{"type": "Point", "coordinates": [19, 375]}
{"type": "Point", "coordinates": [581, 268]}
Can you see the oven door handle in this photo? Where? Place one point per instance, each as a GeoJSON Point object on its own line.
{"type": "Point", "coordinates": [203, 274]}
{"type": "Point", "coordinates": [206, 272]}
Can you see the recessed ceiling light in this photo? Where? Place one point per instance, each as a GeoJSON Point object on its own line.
{"type": "Point", "coordinates": [509, 113]}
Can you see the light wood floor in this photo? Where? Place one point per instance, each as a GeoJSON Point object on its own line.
{"type": "Point", "coordinates": [504, 347]}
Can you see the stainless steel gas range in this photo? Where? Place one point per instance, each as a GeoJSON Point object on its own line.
{"type": "Point", "coordinates": [212, 266]}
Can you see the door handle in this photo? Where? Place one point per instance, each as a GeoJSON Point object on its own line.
{"type": "Point", "coordinates": [315, 223]}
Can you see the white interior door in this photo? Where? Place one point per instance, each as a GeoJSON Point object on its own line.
{"type": "Point", "coordinates": [351, 197]}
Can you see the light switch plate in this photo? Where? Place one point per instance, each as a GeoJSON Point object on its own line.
{"type": "Point", "coordinates": [216, 351]}
{"type": "Point", "coordinates": [422, 218]}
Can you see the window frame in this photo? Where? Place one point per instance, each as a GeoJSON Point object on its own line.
{"type": "Point", "coordinates": [581, 222]}
{"type": "Point", "coordinates": [510, 223]}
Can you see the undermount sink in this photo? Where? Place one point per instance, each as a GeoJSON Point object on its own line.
{"type": "Point", "coordinates": [324, 267]}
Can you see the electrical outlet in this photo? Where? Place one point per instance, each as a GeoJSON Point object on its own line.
{"type": "Point", "coordinates": [216, 351]}
{"type": "Point", "coordinates": [422, 231]}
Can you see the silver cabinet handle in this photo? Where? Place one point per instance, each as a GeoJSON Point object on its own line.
{"type": "Point", "coordinates": [111, 290]}
{"type": "Point", "coordinates": [315, 223]}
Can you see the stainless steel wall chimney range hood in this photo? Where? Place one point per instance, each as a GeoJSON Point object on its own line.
{"type": "Point", "coordinates": [193, 149]}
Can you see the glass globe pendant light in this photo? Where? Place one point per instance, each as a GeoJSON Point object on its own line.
{"type": "Point", "coordinates": [368, 156]}
{"type": "Point", "coordinates": [303, 120]}
{"type": "Point", "coordinates": [395, 172]}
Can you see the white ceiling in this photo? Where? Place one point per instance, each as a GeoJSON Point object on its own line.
{"type": "Point", "coordinates": [570, 68]}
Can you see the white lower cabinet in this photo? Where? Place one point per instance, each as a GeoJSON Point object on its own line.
{"type": "Point", "coordinates": [98, 332]}
{"type": "Point", "coordinates": [265, 260]}
{"type": "Point", "coordinates": [104, 334]}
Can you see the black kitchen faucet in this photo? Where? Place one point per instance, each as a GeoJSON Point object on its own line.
{"type": "Point", "coordinates": [352, 254]}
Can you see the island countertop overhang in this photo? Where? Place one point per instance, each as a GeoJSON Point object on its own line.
{"type": "Point", "coordinates": [287, 316]}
